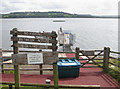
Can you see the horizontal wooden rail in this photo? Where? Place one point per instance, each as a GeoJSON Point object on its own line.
{"type": "Point", "coordinates": [89, 66]}
{"type": "Point", "coordinates": [114, 52]}
{"type": "Point", "coordinates": [98, 50]}
{"type": "Point", "coordinates": [7, 50]}
{"type": "Point", "coordinates": [91, 50]}
{"type": "Point", "coordinates": [118, 59]}
{"type": "Point", "coordinates": [21, 51]}
{"type": "Point", "coordinates": [3, 57]}
{"type": "Point", "coordinates": [21, 69]}
{"type": "Point", "coordinates": [65, 52]}
{"type": "Point", "coordinates": [52, 86]}
{"type": "Point", "coordinates": [37, 40]}
{"type": "Point", "coordinates": [66, 57]}
{"type": "Point", "coordinates": [115, 70]}
{"type": "Point", "coordinates": [88, 59]}
{"type": "Point", "coordinates": [26, 33]}
{"type": "Point", "coordinates": [114, 64]}
{"type": "Point", "coordinates": [33, 46]}
{"type": "Point", "coordinates": [92, 55]}
{"type": "Point", "coordinates": [91, 62]}
{"type": "Point", "coordinates": [7, 63]}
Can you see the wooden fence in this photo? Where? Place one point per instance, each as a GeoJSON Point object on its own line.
{"type": "Point", "coordinates": [101, 58]}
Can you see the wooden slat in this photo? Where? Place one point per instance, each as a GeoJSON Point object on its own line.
{"type": "Point", "coordinates": [98, 50]}
{"type": "Point", "coordinates": [91, 62]}
{"type": "Point", "coordinates": [87, 53]}
{"type": "Point", "coordinates": [65, 52]}
{"type": "Point", "coordinates": [27, 51]}
{"type": "Point", "coordinates": [92, 55]}
{"type": "Point", "coordinates": [37, 40]}
{"type": "Point", "coordinates": [33, 46]}
{"type": "Point", "coordinates": [26, 33]}
{"type": "Point", "coordinates": [21, 69]}
{"type": "Point", "coordinates": [48, 58]}
{"type": "Point", "coordinates": [3, 57]}
{"type": "Point", "coordinates": [66, 57]}
{"type": "Point", "coordinates": [89, 66]}
{"type": "Point", "coordinates": [118, 59]}
{"type": "Point", "coordinates": [114, 52]}
{"type": "Point", "coordinates": [88, 59]}
{"type": "Point", "coordinates": [7, 50]}
{"type": "Point", "coordinates": [74, 58]}
{"type": "Point", "coordinates": [114, 64]}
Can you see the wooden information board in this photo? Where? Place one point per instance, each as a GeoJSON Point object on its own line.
{"type": "Point", "coordinates": [25, 38]}
{"type": "Point", "coordinates": [35, 58]}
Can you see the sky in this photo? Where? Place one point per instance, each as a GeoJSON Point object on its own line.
{"type": "Point", "coordinates": [94, 7]}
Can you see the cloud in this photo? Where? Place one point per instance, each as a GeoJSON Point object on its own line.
{"type": "Point", "coordinates": [72, 6]}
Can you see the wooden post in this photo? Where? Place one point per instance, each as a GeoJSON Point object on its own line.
{"type": "Point", "coordinates": [55, 72]}
{"type": "Point", "coordinates": [77, 53]}
{"type": "Point", "coordinates": [41, 71]}
{"type": "Point", "coordinates": [55, 67]}
{"type": "Point", "coordinates": [106, 58]}
{"type": "Point", "coordinates": [40, 66]}
{"type": "Point", "coordinates": [1, 62]}
{"type": "Point", "coordinates": [16, 67]}
{"type": "Point", "coordinates": [10, 86]}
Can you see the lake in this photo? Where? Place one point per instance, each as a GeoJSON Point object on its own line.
{"type": "Point", "coordinates": [90, 33]}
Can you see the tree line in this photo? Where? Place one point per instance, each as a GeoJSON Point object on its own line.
{"type": "Point", "coordinates": [52, 14]}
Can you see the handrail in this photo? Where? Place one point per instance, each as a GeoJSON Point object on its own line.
{"type": "Point", "coordinates": [115, 52]}
{"type": "Point", "coordinates": [114, 58]}
{"type": "Point", "coordinates": [114, 64]}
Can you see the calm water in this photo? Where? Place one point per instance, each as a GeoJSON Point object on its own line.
{"type": "Point", "coordinates": [90, 33]}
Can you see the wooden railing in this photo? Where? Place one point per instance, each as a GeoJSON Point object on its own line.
{"type": "Point", "coordinates": [101, 58]}
{"type": "Point", "coordinates": [114, 61]}
{"type": "Point", "coordinates": [77, 54]}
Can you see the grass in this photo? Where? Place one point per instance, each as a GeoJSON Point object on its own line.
{"type": "Point", "coordinates": [112, 71]}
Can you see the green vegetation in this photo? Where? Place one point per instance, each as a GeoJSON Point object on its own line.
{"type": "Point", "coordinates": [52, 14]}
{"type": "Point", "coordinates": [112, 71]}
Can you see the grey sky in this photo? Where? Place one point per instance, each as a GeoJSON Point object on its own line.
{"type": "Point", "coordinates": [96, 7]}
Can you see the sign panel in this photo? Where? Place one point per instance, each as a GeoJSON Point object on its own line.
{"type": "Point", "coordinates": [35, 58]}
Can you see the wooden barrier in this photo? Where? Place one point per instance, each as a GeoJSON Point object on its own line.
{"type": "Point", "coordinates": [1, 65]}
{"type": "Point", "coordinates": [106, 55]}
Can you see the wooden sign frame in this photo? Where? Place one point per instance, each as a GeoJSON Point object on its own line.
{"type": "Point", "coordinates": [37, 37]}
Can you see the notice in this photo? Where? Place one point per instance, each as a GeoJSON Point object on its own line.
{"type": "Point", "coordinates": [35, 58]}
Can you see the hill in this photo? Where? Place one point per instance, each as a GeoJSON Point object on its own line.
{"type": "Point", "coordinates": [52, 14]}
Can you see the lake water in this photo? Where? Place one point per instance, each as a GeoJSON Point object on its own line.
{"type": "Point", "coordinates": [91, 33]}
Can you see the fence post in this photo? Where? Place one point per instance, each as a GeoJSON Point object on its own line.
{"type": "Point", "coordinates": [16, 67]}
{"type": "Point", "coordinates": [55, 67]}
{"type": "Point", "coordinates": [77, 53]}
{"type": "Point", "coordinates": [40, 66]}
{"type": "Point", "coordinates": [1, 61]}
{"type": "Point", "coordinates": [106, 58]}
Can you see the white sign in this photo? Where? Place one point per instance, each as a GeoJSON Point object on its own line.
{"type": "Point", "coordinates": [35, 58]}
